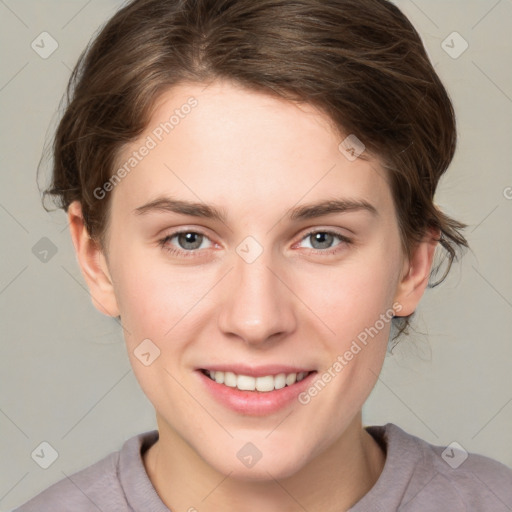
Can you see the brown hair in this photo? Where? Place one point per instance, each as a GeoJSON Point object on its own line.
{"type": "Point", "coordinates": [361, 62]}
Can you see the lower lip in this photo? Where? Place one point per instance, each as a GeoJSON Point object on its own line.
{"type": "Point", "coordinates": [255, 403]}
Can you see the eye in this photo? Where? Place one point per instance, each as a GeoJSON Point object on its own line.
{"type": "Point", "coordinates": [185, 242]}
{"type": "Point", "coordinates": [321, 240]}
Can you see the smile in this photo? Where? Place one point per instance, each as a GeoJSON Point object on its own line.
{"type": "Point", "coordinates": [264, 383]}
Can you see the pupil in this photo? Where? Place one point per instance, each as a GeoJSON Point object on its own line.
{"type": "Point", "coordinates": [186, 240]}
{"type": "Point", "coordinates": [324, 239]}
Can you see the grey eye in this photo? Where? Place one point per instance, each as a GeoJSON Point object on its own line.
{"type": "Point", "coordinates": [190, 240]}
{"type": "Point", "coordinates": [321, 240]}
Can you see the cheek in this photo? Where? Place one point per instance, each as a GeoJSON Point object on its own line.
{"type": "Point", "coordinates": [352, 296]}
{"type": "Point", "coordinates": [161, 301]}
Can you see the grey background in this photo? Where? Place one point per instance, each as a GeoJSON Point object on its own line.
{"type": "Point", "coordinates": [65, 376]}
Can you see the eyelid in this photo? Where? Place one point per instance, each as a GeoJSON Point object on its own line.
{"type": "Point", "coordinates": [331, 231]}
{"type": "Point", "coordinates": [163, 242]}
{"type": "Point", "coordinates": [193, 252]}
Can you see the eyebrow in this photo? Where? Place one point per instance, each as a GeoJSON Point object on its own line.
{"type": "Point", "coordinates": [303, 212]}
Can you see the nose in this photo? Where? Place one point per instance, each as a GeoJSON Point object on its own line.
{"type": "Point", "coordinates": [258, 307]}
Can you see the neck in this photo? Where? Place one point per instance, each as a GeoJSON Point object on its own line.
{"type": "Point", "coordinates": [334, 480]}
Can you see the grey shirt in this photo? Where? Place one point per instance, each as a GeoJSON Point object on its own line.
{"type": "Point", "coordinates": [417, 476]}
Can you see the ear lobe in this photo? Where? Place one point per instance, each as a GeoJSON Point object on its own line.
{"type": "Point", "coordinates": [92, 263]}
{"type": "Point", "coordinates": [416, 272]}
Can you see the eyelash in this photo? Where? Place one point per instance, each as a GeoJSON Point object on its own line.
{"type": "Point", "coordinates": [194, 252]}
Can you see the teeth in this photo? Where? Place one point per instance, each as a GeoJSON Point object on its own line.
{"type": "Point", "coordinates": [246, 383]}
{"type": "Point", "coordinates": [280, 381]}
{"type": "Point", "coordinates": [264, 384]}
{"type": "Point", "coordinates": [291, 378]}
{"type": "Point", "coordinates": [229, 379]}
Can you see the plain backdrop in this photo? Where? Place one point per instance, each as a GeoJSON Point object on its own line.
{"type": "Point", "coordinates": [65, 377]}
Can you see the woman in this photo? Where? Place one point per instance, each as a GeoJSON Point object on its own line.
{"type": "Point", "coordinates": [250, 187]}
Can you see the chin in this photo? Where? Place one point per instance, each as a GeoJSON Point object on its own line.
{"type": "Point", "coordinates": [279, 465]}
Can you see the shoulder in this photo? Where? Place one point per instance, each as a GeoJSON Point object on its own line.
{"type": "Point", "coordinates": [418, 475]}
{"type": "Point", "coordinates": [481, 483]}
{"type": "Point", "coordinates": [97, 487]}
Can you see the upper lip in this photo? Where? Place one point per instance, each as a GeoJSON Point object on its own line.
{"type": "Point", "coordinates": [256, 371]}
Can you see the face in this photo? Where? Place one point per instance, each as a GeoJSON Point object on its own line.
{"type": "Point", "coordinates": [250, 277]}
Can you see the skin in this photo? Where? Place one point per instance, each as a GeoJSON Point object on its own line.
{"type": "Point", "coordinates": [255, 157]}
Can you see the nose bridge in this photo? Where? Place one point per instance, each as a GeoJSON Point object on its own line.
{"type": "Point", "coordinates": [257, 305]}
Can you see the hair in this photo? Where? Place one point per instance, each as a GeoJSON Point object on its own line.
{"type": "Point", "coordinates": [361, 62]}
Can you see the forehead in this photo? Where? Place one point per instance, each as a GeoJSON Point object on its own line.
{"type": "Point", "coordinates": [241, 148]}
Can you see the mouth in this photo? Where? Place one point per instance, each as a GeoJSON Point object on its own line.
{"type": "Point", "coordinates": [255, 391]}
{"type": "Point", "coordinates": [262, 383]}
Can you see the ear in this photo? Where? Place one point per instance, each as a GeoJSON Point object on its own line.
{"type": "Point", "coordinates": [416, 272]}
{"type": "Point", "coordinates": [93, 263]}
